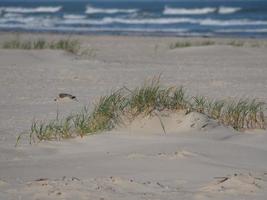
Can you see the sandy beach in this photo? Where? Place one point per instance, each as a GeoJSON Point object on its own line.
{"type": "Point", "coordinates": [138, 161]}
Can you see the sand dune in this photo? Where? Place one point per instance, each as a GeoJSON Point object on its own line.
{"type": "Point", "coordinates": [195, 158]}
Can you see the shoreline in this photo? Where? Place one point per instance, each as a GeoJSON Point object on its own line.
{"type": "Point", "coordinates": [134, 34]}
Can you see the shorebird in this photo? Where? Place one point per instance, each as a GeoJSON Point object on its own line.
{"type": "Point", "coordinates": [62, 96]}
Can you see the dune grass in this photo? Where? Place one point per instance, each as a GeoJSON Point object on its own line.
{"type": "Point", "coordinates": [234, 43]}
{"type": "Point", "coordinates": [180, 45]}
{"type": "Point", "coordinates": [111, 110]}
{"type": "Point", "coordinates": [183, 44]}
{"type": "Point", "coordinates": [69, 45]}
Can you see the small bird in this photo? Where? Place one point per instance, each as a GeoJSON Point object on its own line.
{"type": "Point", "coordinates": [62, 96]}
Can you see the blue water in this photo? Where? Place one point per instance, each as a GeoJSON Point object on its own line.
{"type": "Point", "coordinates": [239, 18]}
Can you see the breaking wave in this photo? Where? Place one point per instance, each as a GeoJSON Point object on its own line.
{"type": "Point", "coordinates": [242, 30]}
{"type": "Point", "coordinates": [241, 22]}
{"type": "Point", "coordinates": [94, 10]}
{"type": "Point", "coordinates": [199, 11]}
{"type": "Point", "coordinates": [205, 22]}
{"type": "Point", "coordinates": [82, 20]}
{"type": "Point", "coordinates": [109, 20]}
{"type": "Point", "coordinates": [70, 16]}
{"type": "Point", "coordinates": [185, 11]}
{"type": "Point", "coordinates": [228, 10]}
{"type": "Point", "coordinates": [31, 10]}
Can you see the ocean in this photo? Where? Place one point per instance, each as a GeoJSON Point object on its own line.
{"type": "Point", "coordinates": [205, 18]}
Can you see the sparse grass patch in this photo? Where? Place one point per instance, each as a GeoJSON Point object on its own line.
{"type": "Point", "coordinates": [107, 112]}
{"type": "Point", "coordinates": [179, 99]}
{"type": "Point", "coordinates": [199, 104]}
{"type": "Point", "coordinates": [184, 44]}
{"type": "Point", "coordinates": [236, 43]}
{"type": "Point", "coordinates": [89, 52]}
{"type": "Point", "coordinates": [180, 45]}
{"type": "Point", "coordinates": [144, 99]}
{"type": "Point", "coordinates": [150, 98]}
{"type": "Point", "coordinates": [207, 43]}
{"type": "Point", "coordinates": [54, 130]}
{"type": "Point", "coordinates": [215, 108]}
{"type": "Point", "coordinates": [81, 122]}
{"type": "Point", "coordinates": [69, 45]}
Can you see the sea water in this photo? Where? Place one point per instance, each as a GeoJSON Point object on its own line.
{"type": "Point", "coordinates": [238, 18]}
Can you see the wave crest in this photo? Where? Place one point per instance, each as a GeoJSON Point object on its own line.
{"type": "Point", "coordinates": [185, 11]}
{"type": "Point", "coordinates": [109, 20]}
{"type": "Point", "coordinates": [233, 22]}
{"type": "Point", "coordinates": [31, 10]}
{"type": "Point", "coordinates": [94, 10]}
{"type": "Point", "coordinates": [71, 16]}
{"type": "Point", "coordinates": [205, 22]}
{"type": "Point", "coordinates": [228, 10]}
{"type": "Point", "coordinates": [200, 11]}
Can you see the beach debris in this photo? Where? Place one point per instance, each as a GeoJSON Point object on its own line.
{"type": "Point", "coordinates": [62, 96]}
{"type": "Point", "coordinates": [41, 179]}
{"type": "Point", "coordinates": [160, 185]}
{"type": "Point", "coordinates": [223, 179]}
{"type": "Point", "coordinates": [75, 178]}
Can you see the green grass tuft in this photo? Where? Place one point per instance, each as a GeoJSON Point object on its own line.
{"type": "Point", "coordinates": [72, 46]}
{"type": "Point", "coordinates": [149, 99]}
{"type": "Point", "coordinates": [145, 99]}
{"type": "Point", "coordinates": [184, 44]}
{"type": "Point", "coordinates": [69, 45]}
{"type": "Point", "coordinates": [107, 112]}
{"type": "Point", "coordinates": [180, 45]}
{"type": "Point", "coordinates": [236, 43]}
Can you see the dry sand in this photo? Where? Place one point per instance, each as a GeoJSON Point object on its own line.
{"type": "Point", "coordinates": [190, 161]}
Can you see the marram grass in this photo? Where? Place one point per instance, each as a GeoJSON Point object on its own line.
{"type": "Point", "coordinates": [234, 43]}
{"type": "Point", "coordinates": [69, 45]}
{"type": "Point", "coordinates": [148, 99]}
{"type": "Point", "coordinates": [184, 44]}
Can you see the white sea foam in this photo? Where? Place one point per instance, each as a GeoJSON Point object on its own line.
{"type": "Point", "coordinates": [80, 20]}
{"type": "Point", "coordinates": [21, 20]}
{"type": "Point", "coordinates": [228, 10]}
{"type": "Point", "coordinates": [185, 11]}
{"type": "Point", "coordinates": [12, 15]}
{"type": "Point", "coordinates": [72, 16]}
{"type": "Point", "coordinates": [261, 30]}
{"type": "Point", "coordinates": [109, 20]}
{"type": "Point", "coordinates": [82, 29]}
{"type": "Point", "coordinates": [205, 22]}
{"type": "Point", "coordinates": [29, 21]}
{"type": "Point", "coordinates": [241, 22]}
{"type": "Point", "coordinates": [31, 10]}
{"type": "Point", "coordinates": [148, 30]}
{"type": "Point", "coordinates": [94, 10]}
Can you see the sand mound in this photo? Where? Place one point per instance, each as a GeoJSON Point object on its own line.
{"type": "Point", "coordinates": [197, 121]}
{"type": "Point", "coordinates": [170, 123]}
{"type": "Point", "coordinates": [237, 184]}
{"type": "Point", "coordinates": [98, 188]}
